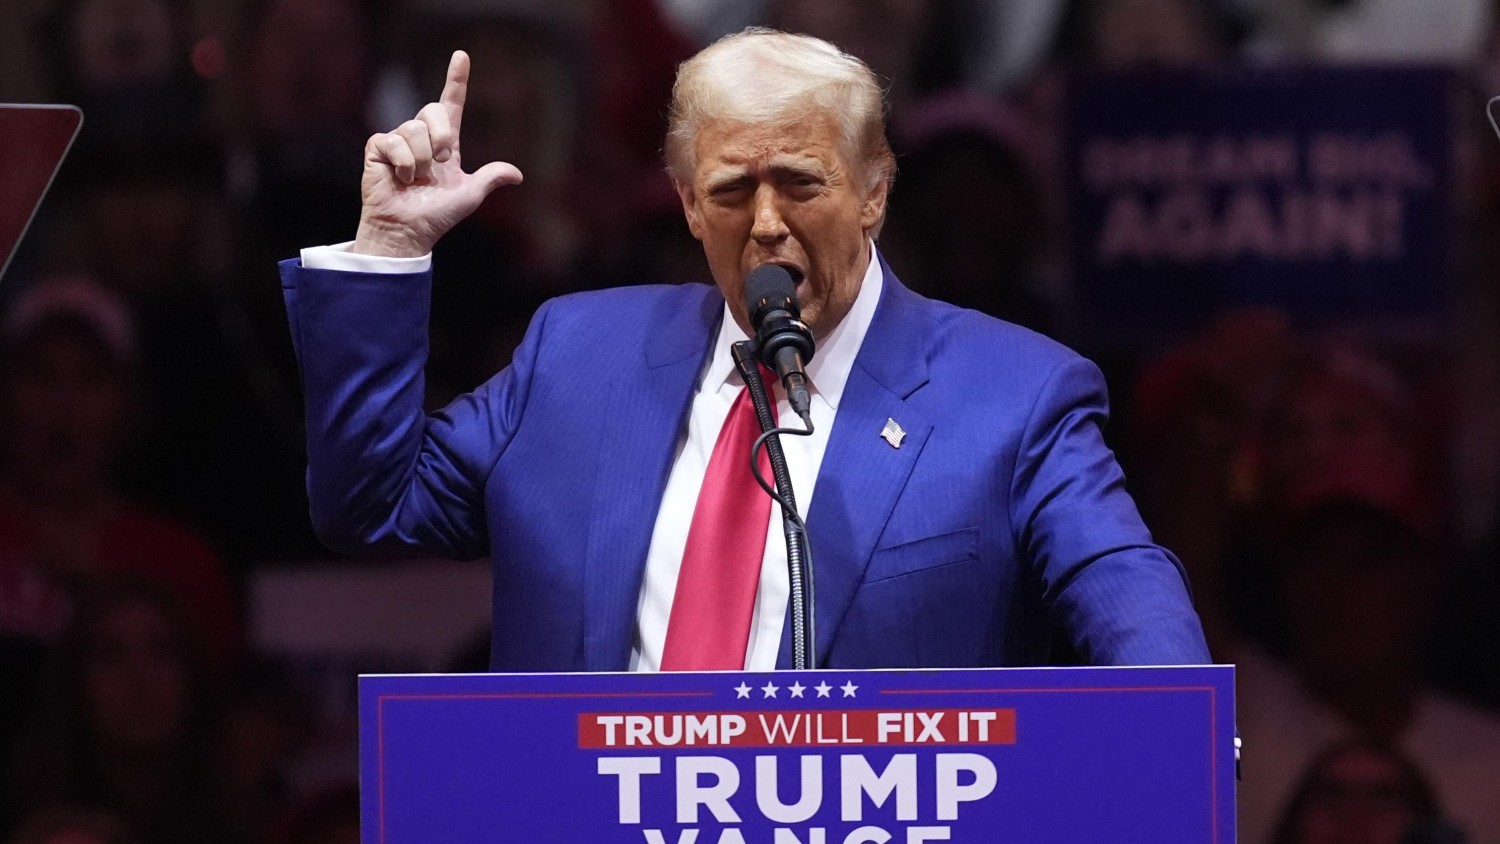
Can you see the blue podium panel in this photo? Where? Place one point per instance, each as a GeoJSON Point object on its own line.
{"type": "Point", "coordinates": [820, 757]}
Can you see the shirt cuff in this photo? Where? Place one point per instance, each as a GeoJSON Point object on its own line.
{"type": "Point", "coordinates": [339, 259]}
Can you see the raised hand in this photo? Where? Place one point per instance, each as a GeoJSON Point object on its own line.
{"type": "Point", "coordinates": [414, 188]}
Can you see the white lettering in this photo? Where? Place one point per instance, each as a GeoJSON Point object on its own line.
{"type": "Point", "coordinates": [734, 725]}
{"type": "Point", "coordinates": [638, 730]}
{"type": "Point", "coordinates": [857, 778]}
{"type": "Point", "coordinates": [982, 722]}
{"type": "Point", "coordinates": [715, 797]}
{"type": "Point", "coordinates": [629, 769]}
{"type": "Point", "coordinates": [609, 722]}
{"type": "Point", "coordinates": [950, 793]}
{"type": "Point", "coordinates": [702, 729]}
{"type": "Point", "coordinates": [930, 731]}
{"type": "Point", "coordinates": [768, 796]}
{"type": "Point", "coordinates": [780, 726]}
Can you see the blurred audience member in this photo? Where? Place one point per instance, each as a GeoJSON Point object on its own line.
{"type": "Point", "coordinates": [267, 724]}
{"type": "Point", "coordinates": [218, 443]}
{"type": "Point", "coordinates": [67, 376]}
{"type": "Point", "coordinates": [126, 721]}
{"type": "Point", "coordinates": [1199, 412]}
{"type": "Point", "coordinates": [72, 825]}
{"type": "Point", "coordinates": [1012, 39]}
{"type": "Point", "coordinates": [141, 216]}
{"type": "Point", "coordinates": [22, 77]}
{"type": "Point", "coordinates": [889, 35]}
{"type": "Point", "coordinates": [967, 223]}
{"type": "Point", "coordinates": [1469, 632]}
{"type": "Point", "coordinates": [1351, 423]}
{"type": "Point", "coordinates": [300, 77]}
{"type": "Point", "coordinates": [1299, 481]}
{"type": "Point", "coordinates": [973, 44]}
{"type": "Point", "coordinates": [1361, 792]}
{"type": "Point", "coordinates": [1144, 34]}
{"type": "Point", "coordinates": [626, 200]}
{"type": "Point", "coordinates": [1246, 421]}
{"type": "Point", "coordinates": [1358, 580]}
{"type": "Point", "coordinates": [126, 62]}
{"type": "Point", "coordinates": [634, 53]}
{"type": "Point", "coordinates": [525, 105]}
{"type": "Point", "coordinates": [706, 21]}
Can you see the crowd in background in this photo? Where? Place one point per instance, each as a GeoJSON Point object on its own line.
{"type": "Point", "coordinates": [1335, 497]}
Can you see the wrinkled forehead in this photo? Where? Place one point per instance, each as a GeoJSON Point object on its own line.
{"type": "Point", "coordinates": [810, 130]}
{"type": "Point", "coordinates": [811, 140]}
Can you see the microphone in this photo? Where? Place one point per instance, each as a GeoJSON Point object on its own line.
{"type": "Point", "coordinates": [782, 340]}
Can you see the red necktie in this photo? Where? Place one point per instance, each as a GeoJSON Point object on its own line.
{"type": "Point", "coordinates": [709, 628]}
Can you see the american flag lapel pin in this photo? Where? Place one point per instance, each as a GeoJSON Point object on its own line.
{"type": "Point", "coordinates": [892, 433]}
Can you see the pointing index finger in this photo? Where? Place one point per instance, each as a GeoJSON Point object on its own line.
{"type": "Point", "coordinates": [456, 89]}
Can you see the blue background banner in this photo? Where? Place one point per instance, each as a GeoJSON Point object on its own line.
{"type": "Point", "coordinates": [1057, 755]}
{"type": "Point", "coordinates": [1321, 191]}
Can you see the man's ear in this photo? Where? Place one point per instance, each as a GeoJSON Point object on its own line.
{"type": "Point", "coordinates": [690, 208]}
{"type": "Point", "coordinates": [872, 211]}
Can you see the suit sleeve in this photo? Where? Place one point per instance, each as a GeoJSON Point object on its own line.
{"type": "Point", "coordinates": [1122, 599]}
{"type": "Point", "coordinates": [381, 474]}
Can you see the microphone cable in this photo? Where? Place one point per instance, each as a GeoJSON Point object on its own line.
{"type": "Point", "coordinates": [799, 545]}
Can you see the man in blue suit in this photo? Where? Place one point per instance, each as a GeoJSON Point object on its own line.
{"type": "Point", "coordinates": [960, 499]}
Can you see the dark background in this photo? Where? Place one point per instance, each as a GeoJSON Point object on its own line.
{"type": "Point", "coordinates": [177, 651]}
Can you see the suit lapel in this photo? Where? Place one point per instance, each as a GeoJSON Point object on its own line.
{"type": "Point", "coordinates": [644, 415]}
{"type": "Point", "coordinates": [862, 474]}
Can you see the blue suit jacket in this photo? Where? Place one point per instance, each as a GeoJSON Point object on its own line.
{"type": "Point", "coordinates": [1002, 515]}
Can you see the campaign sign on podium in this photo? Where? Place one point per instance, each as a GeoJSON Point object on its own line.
{"type": "Point", "coordinates": [832, 757]}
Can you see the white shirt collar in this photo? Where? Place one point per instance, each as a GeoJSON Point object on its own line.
{"type": "Point", "coordinates": [828, 371]}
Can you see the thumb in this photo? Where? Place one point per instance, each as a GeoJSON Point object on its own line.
{"type": "Point", "coordinates": [493, 175]}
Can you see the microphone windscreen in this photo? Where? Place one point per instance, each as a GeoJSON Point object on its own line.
{"type": "Point", "coordinates": [770, 285]}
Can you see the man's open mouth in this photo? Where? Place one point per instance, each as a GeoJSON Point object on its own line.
{"type": "Point", "coordinates": [796, 273]}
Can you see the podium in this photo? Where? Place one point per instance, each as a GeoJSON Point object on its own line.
{"type": "Point", "coordinates": [833, 757]}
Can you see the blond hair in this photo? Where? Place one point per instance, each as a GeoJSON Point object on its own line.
{"type": "Point", "coordinates": [764, 76]}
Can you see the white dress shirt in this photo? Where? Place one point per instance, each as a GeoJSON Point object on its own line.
{"type": "Point", "coordinates": [718, 386]}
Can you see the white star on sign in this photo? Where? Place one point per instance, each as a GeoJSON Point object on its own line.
{"type": "Point", "coordinates": [849, 688]}
{"type": "Point", "coordinates": [823, 689]}
{"type": "Point", "coordinates": [741, 690]}
{"type": "Point", "coordinates": [770, 689]}
{"type": "Point", "coordinates": [796, 689]}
